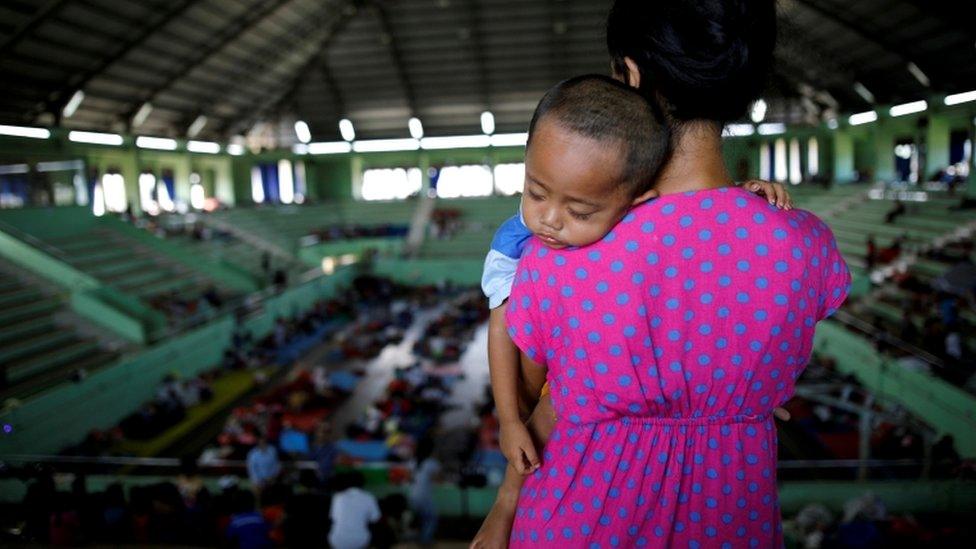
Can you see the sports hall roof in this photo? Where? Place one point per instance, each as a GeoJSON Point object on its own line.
{"type": "Point", "coordinates": [381, 62]}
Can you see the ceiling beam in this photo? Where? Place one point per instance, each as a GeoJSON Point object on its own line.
{"type": "Point", "coordinates": [275, 101]}
{"type": "Point", "coordinates": [477, 42]}
{"type": "Point", "coordinates": [28, 26]}
{"type": "Point", "coordinates": [396, 54]}
{"type": "Point", "coordinates": [237, 28]}
{"type": "Point", "coordinates": [832, 12]}
{"type": "Point", "coordinates": [79, 83]}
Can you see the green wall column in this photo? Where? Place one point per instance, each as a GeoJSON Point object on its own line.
{"type": "Point", "coordinates": [843, 156]}
{"type": "Point", "coordinates": [937, 145]}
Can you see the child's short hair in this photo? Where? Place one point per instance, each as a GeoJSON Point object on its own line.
{"type": "Point", "coordinates": [606, 110]}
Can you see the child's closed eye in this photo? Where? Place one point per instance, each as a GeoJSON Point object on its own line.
{"type": "Point", "coordinates": [534, 196]}
{"type": "Point", "coordinates": [580, 216]}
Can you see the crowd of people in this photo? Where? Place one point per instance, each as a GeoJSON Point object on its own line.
{"type": "Point", "coordinates": [332, 233]}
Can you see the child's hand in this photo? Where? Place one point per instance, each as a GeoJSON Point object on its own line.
{"type": "Point", "coordinates": [775, 193]}
{"type": "Point", "coordinates": [518, 448]}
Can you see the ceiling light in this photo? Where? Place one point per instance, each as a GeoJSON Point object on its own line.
{"type": "Point", "coordinates": [833, 124]}
{"type": "Point", "coordinates": [24, 131]}
{"type": "Point", "coordinates": [207, 147]}
{"type": "Point", "coordinates": [416, 128]}
{"type": "Point", "coordinates": [487, 123]}
{"type": "Point", "coordinates": [302, 132]}
{"type": "Point", "coordinates": [95, 138]}
{"type": "Point", "coordinates": [862, 118]}
{"type": "Point", "coordinates": [456, 142]}
{"type": "Point", "coordinates": [142, 114]}
{"type": "Point", "coordinates": [197, 125]}
{"type": "Point", "coordinates": [758, 111]}
{"type": "Point", "coordinates": [772, 128]}
{"type": "Point", "coordinates": [73, 104]}
{"type": "Point", "coordinates": [235, 149]}
{"type": "Point", "coordinates": [157, 143]}
{"type": "Point", "coordinates": [957, 98]}
{"type": "Point", "coordinates": [346, 129]}
{"type": "Point", "coordinates": [922, 78]}
{"type": "Point", "coordinates": [740, 130]}
{"type": "Point", "coordinates": [386, 145]}
{"type": "Point", "coordinates": [509, 139]}
{"type": "Point", "coordinates": [332, 147]}
{"type": "Point", "coordinates": [864, 92]}
{"type": "Point", "coordinates": [908, 108]}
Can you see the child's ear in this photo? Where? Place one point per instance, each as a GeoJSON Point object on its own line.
{"type": "Point", "coordinates": [649, 194]}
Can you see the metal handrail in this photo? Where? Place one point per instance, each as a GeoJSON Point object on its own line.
{"type": "Point", "coordinates": [33, 241]}
{"type": "Point", "coordinates": [857, 324]}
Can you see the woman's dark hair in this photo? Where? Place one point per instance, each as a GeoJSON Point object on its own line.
{"type": "Point", "coordinates": [700, 60]}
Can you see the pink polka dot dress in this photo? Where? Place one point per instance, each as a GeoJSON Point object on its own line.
{"type": "Point", "coordinates": [668, 344]}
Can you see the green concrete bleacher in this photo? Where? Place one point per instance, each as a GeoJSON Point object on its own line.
{"type": "Point", "coordinates": [284, 226]}
{"type": "Point", "coordinates": [128, 265]}
{"type": "Point", "coordinates": [479, 219]}
{"type": "Point", "coordinates": [35, 350]}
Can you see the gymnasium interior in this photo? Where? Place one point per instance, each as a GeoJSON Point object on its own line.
{"type": "Point", "coordinates": [239, 224]}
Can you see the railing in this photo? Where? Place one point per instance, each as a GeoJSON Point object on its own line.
{"type": "Point", "coordinates": [33, 241]}
{"type": "Point", "coordinates": [885, 337]}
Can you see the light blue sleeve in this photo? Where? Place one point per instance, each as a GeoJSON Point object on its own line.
{"type": "Point", "coordinates": [502, 259]}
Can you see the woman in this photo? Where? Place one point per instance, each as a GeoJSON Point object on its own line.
{"type": "Point", "coordinates": [661, 442]}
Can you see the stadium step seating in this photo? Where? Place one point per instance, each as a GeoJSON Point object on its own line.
{"type": "Point", "coordinates": [35, 351]}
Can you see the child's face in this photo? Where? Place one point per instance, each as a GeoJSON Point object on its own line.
{"type": "Point", "coordinates": [573, 195]}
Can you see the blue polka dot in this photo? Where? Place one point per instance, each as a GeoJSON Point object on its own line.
{"type": "Point", "coordinates": [722, 218]}
{"type": "Point", "coordinates": [671, 272]}
{"type": "Point", "coordinates": [581, 273]}
{"type": "Point", "coordinates": [762, 250]}
{"type": "Point", "coordinates": [742, 265]}
{"type": "Point", "coordinates": [609, 319]}
{"type": "Point", "coordinates": [652, 258]}
{"type": "Point", "coordinates": [742, 233]}
{"type": "Point", "coordinates": [672, 304]}
{"type": "Point", "coordinates": [685, 221]}
{"type": "Point", "coordinates": [601, 368]}
{"type": "Point", "coordinates": [567, 291]}
{"type": "Point", "coordinates": [622, 299]}
{"type": "Point", "coordinates": [779, 234]}
{"type": "Point", "coordinates": [602, 287]}
{"type": "Point", "coordinates": [724, 249]}
{"type": "Point", "coordinates": [705, 204]}
{"type": "Point", "coordinates": [647, 227]}
{"type": "Point", "coordinates": [668, 209]}
{"type": "Point", "coordinates": [617, 266]}
{"type": "Point", "coordinates": [781, 266]}
{"type": "Point", "coordinates": [631, 246]}
{"type": "Point", "coordinates": [759, 218]}
{"type": "Point", "coordinates": [637, 278]}
{"type": "Point", "coordinates": [594, 337]}
{"type": "Point", "coordinates": [594, 255]}
{"type": "Point", "coordinates": [668, 240]}
{"type": "Point", "coordinates": [559, 261]}
{"type": "Point", "coordinates": [706, 267]}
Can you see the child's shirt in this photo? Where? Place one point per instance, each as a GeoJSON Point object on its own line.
{"type": "Point", "coordinates": [502, 259]}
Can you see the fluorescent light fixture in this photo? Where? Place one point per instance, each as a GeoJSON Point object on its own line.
{"type": "Point", "coordinates": [302, 132]}
{"type": "Point", "coordinates": [833, 124]}
{"type": "Point", "coordinates": [24, 131]}
{"type": "Point", "coordinates": [740, 130]}
{"type": "Point", "coordinates": [758, 111]}
{"type": "Point", "coordinates": [385, 145]}
{"type": "Point", "coordinates": [235, 149]}
{"type": "Point", "coordinates": [95, 138]}
{"type": "Point", "coordinates": [286, 182]}
{"type": "Point", "coordinates": [73, 104]}
{"type": "Point", "coordinates": [157, 143]}
{"type": "Point", "coordinates": [922, 78]}
{"type": "Point", "coordinates": [197, 126]}
{"type": "Point", "coordinates": [11, 169]}
{"type": "Point", "coordinates": [60, 165]}
{"type": "Point", "coordinates": [964, 97]}
{"type": "Point", "coordinates": [331, 147]}
{"type": "Point", "coordinates": [416, 128]}
{"type": "Point", "coordinates": [142, 114]}
{"type": "Point", "coordinates": [509, 139]}
{"type": "Point", "coordinates": [456, 142]}
{"type": "Point", "coordinates": [862, 118]}
{"type": "Point", "coordinates": [346, 129]}
{"type": "Point", "coordinates": [299, 148]}
{"type": "Point", "coordinates": [864, 92]}
{"type": "Point", "coordinates": [487, 123]}
{"type": "Point", "coordinates": [206, 147]}
{"type": "Point", "coordinates": [772, 128]}
{"type": "Point", "coordinates": [908, 108]}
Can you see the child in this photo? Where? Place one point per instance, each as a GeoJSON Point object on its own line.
{"type": "Point", "coordinates": [629, 143]}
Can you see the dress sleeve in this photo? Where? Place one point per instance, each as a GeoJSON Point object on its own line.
{"type": "Point", "coordinates": [522, 314]}
{"type": "Point", "coordinates": [836, 275]}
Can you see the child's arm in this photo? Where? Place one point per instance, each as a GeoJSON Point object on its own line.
{"type": "Point", "coordinates": [504, 368]}
{"type": "Point", "coordinates": [497, 526]}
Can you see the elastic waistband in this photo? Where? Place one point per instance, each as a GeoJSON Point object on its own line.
{"type": "Point", "coordinates": [706, 420]}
